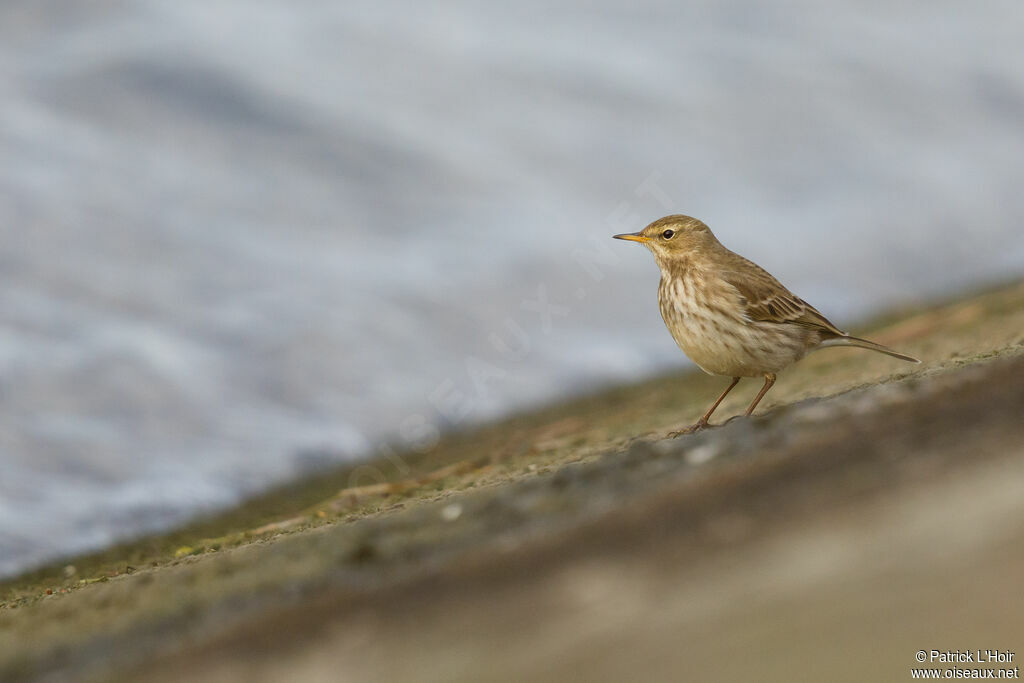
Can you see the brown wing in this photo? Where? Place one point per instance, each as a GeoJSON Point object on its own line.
{"type": "Point", "coordinates": [766, 300]}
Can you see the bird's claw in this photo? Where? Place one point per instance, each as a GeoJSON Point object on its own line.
{"type": "Point", "coordinates": [692, 429]}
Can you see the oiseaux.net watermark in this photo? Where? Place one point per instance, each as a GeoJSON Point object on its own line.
{"type": "Point", "coordinates": [966, 665]}
{"type": "Point", "coordinates": [455, 399]}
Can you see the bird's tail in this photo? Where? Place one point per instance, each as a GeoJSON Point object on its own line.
{"type": "Point", "coordinates": [847, 340]}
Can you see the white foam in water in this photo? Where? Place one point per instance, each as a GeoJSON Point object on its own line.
{"type": "Point", "coordinates": [238, 234]}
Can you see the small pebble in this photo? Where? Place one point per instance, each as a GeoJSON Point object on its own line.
{"type": "Point", "coordinates": [452, 512]}
{"type": "Point", "coordinates": [703, 453]}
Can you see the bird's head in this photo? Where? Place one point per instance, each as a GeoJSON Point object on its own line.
{"type": "Point", "coordinates": [673, 237]}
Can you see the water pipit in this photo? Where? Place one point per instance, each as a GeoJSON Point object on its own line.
{"type": "Point", "coordinates": [729, 315]}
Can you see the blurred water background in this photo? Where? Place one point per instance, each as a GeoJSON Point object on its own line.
{"type": "Point", "coordinates": [242, 240]}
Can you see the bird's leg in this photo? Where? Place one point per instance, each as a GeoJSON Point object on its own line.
{"type": "Point", "coordinates": [703, 422]}
{"type": "Point", "coordinates": [769, 380]}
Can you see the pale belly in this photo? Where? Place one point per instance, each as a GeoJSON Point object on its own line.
{"type": "Point", "coordinates": [749, 354]}
{"type": "Point", "coordinates": [722, 345]}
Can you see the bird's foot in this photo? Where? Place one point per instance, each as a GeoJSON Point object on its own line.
{"type": "Point", "coordinates": [692, 429]}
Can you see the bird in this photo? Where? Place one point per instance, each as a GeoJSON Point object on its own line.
{"type": "Point", "coordinates": [728, 314]}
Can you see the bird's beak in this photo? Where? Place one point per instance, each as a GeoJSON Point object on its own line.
{"type": "Point", "coordinates": [632, 237]}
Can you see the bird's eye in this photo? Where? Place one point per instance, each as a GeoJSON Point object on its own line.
{"type": "Point", "coordinates": [668, 234]}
